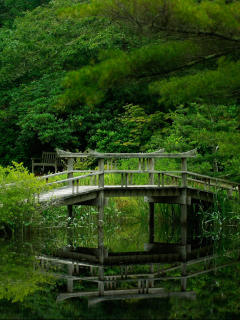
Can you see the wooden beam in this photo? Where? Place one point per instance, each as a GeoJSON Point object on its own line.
{"type": "Point", "coordinates": [141, 191]}
{"type": "Point", "coordinates": [79, 198]}
{"type": "Point", "coordinates": [64, 296]}
{"type": "Point", "coordinates": [93, 202]}
{"type": "Point", "coordinates": [157, 154]}
{"type": "Point", "coordinates": [169, 199]}
{"type": "Point", "coordinates": [188, 295]}
{"type": "Point", "coordinates": [166, 247]}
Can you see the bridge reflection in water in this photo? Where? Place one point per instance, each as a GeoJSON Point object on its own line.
{"type": "Point", "coordinates": [173, 187]}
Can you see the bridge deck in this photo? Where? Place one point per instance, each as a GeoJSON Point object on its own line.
{"type": "Point", "coordinates": [65, 196]}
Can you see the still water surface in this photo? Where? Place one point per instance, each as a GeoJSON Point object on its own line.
{"type": "Point", "coordinates": [29, 292]}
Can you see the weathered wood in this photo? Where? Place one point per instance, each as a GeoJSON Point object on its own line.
{"type": "Point", "coordinates": [151, 276]}
{"type": "Point", "coordinates": [188, 295]}
{"type": "Point", "coordinates": [131, 178]}
{"type": "Point", "coordinates": [156, 154]}
{"type": "Point", "coordinates": [64, 296]}
{"type": "Point", "coordinates": [88, 251]}
{"type": "Point", "coordinates": [213, 269]}
{"type": "Point", "coordinates": [70, 174]}
{"type": "Point", "coordinates": [100, 228]}
{"type": "Point", "coordinates": [76, 178]}
{"type": "Point", "coordinates": [48, 159]}
{"type": "Point", "coordinates": [70, 282]}
{"type": "Point", "coordinates": [101, 277]}
{"type": "Point", "coordinates": [184, 226]}
{"type": "Point", "coordinates": [151, 167]}
{"type": "Point", "coordinates": [53, 175]}
{"type": "Point", "coordinates": [95, 202]}
{"type": "Point", "coordinates": [66, 154]}
{"type": "Point", "coordinates": [184, 175]}
{"type": "Point", "coordinates": [145, 171]}
{"type": "Point", "coordinates": [167, 247]}
{"type": "Point", "coordinates": [169, 199]}
{"type": "Point", "coordinates": [151, 222]}
{"type": "Point", "coordinates": [230, 192]}
{"type": "Point", "coordinates": [126, 179]}
{"type": "Point", "coordinates": [189, 154]}
{"type": "Point", "coordinates": [216, 179]}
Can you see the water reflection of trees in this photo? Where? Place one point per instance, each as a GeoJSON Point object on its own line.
{"type": "Point", "coordinates": [126, 229]}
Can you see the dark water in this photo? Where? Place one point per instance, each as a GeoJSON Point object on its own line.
{"type": "Point", "coordinates": [29, 292]}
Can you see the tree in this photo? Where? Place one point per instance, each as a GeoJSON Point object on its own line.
{"type": "Point", "coordinates": [187, 39]}
{"type": "Point", "coordinates": [10, 9]}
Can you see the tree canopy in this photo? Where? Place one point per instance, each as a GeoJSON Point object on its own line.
{"type": "Point", "coordinates": [188, 38]}
{"type": "Point", "coordinates": [121, 76]}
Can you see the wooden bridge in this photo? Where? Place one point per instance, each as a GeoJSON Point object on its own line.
{"type": "Point", "coordinates": [175, 187]}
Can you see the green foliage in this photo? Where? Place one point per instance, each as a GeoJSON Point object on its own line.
{"type": "Point", "coordinates": [211, 86]}
{"type": "Point", "coordinates": [204, 127]}
{"type": "Point", "coordinates": [90, 83]}
{"type": "Point", "coordinates": [19, 274]}
{"type": "Point", "coordinates": [191, 32]}
{"type": "Point", "coordinates": [18, 196]}
{"type": "Point", "coordinates": [156, 16]}
{"type": "Point", "coordinates": [10, 9]}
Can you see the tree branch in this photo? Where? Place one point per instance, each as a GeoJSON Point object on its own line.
{"type": "Point", "coordinates": [200, 32]}
{"type": "Point", "coordinates": [192, 63]}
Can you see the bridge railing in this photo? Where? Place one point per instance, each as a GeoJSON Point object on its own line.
{"type": "Point", "coordinates": [107, 164]}
{"type": "Point", "coordinates": [155, 179]}
{"type": "Point", "coordinates": [73, 180]}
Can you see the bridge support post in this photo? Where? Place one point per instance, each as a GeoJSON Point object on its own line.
{"type": "Point", "coordinates": [100, 228]}
{"type": "Point", "coordinates": [151, 204]}
{"type": "Point", "coordinates": [184, 226]}
{"type": "Point", "coordinates": [151, 222]}
{"type": "Point", "coordinates": [70, 231]}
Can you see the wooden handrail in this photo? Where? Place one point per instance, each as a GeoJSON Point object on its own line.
{"type": "Point", "coordinates": [76, 178]}
{"type": "Point", "coordinates": [157, 154]}
{"type": "Point", "coordinates": [212, 178]}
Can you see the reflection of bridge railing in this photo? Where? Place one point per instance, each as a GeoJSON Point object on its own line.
{"type": "Point", "coordinates": [145, 281]}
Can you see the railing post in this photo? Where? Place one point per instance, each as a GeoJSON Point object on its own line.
{"type": "Point", "coordinates": [70, 168]}
{"type": "Point", "coordinates": [100, 228]}
{"type": "Point", "coordinates": [101, 176]}
{"type": "Point", "coordinates": [184, 225]}
{"type": "Point", "coordinates": [151, 167]}
{"type": "Point", "coordinates": [184, 175]}
{"type": "Point", "coordinates": [70, 282]}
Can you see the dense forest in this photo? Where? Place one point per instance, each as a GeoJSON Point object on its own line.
{"type": "Point", "coordinates": [121, 76]}
{"type": "Point", "coordinates": [117, 76]}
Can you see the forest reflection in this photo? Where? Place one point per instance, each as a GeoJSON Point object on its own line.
{"type": "Point", "coordinates": [27, 285]}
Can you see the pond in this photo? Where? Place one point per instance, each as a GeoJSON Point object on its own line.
{"type": "Point", "coordinates": [37, 275]}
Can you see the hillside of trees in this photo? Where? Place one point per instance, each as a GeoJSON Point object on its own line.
{"type": "Point", "coordinates": [121, 76]}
